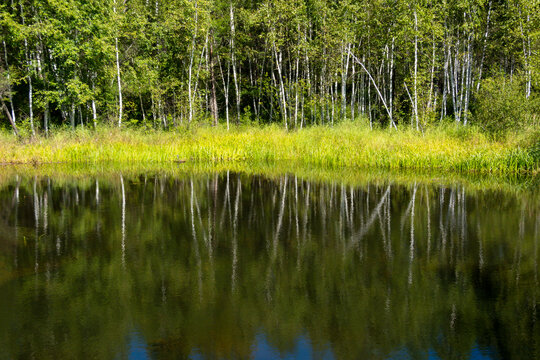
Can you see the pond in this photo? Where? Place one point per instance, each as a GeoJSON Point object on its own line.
{"type": "Point", "coordinates": [232, 266]}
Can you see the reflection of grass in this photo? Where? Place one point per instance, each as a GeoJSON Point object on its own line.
{"type": "Point", "coordinates": [311, 285]}
{"type": "Point", "coordinates": [343, 145]}
{"type": "Point", "coordinates": [110, 171]}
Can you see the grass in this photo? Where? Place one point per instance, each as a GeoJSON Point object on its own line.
{"type": "Point", "coordinates": [346, 145]}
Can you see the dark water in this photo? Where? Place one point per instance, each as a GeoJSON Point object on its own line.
{"type": "Point", "coordinates": [223, 267]}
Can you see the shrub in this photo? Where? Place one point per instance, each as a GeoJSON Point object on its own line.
{"type": "Point", "coordinates": [501, 105]}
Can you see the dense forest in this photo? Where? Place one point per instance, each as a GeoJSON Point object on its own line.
{"type": "Point", "coordinates": [164, 64]}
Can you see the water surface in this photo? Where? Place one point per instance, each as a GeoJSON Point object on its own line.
{"type": "Point", "coordinates": [227, 266]}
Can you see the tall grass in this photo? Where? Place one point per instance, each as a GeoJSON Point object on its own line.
{"type": "Point", "coordinates": [351, 145]}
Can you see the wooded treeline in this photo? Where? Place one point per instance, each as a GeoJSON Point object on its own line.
{"type": "Point", "coordinates": [296, 62]}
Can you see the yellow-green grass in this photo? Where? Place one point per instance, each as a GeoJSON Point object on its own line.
{"type": "Point", "coordinates": [343, 145]}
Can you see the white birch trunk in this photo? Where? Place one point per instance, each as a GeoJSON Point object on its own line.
{"type": "Point", "coordinates": [416, 68]}
{"type": "Point", "coordinates": [233, 59]}
{"type": "Point", "coordinates": [118, 78]}
{"type": "Point", "coordinates": [392, 123]}
{"type": "Point", "coordinates": [432, 76]}
{"type": "Point", "coordinates": [94, 112]}
{"type": "Point", "coordinates": [296, 89]}
{"type": "Point", "coordinates": [484, 47]}
{"type": "Point", "coordinates": [190, 69]}
{"type": "Point", "coordinates": [282, 87]}
{"type": "Point", "coordinates": [225, 89]}
{"type": "Point", "coordinates": [29, 69]}
{"type": "Point", "coordinates": [10, 96]}
{"type": "Point", "coordinates": [344, 81]}
{"type": "Point", "coordinates": [391, 94]}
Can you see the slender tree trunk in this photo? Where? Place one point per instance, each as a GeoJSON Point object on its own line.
{"type": "Point", "coordinates": [445, 87]}
{"type": "Point", "coordinates": [153, 111]}
{"type": "Point", "coordinates": [94, 111]}
{"type": "Point", "coordinates": [296, 89]}
{"type": "Point", "coordinates": [142, 108]}
{"type": "Point", "coordinates": [432, 77]}
{"type": "Point", "coordinates": [225, 89]}
{"type": "Point", "coordinates": [8, 74]}
{"type": "Point", "coordinates": [11, 120]}
{"type": "Point", "coordinates": [30, 92]}
{"type": "Point", "coordinates": [72, 116]}
{"type": "Point", "coordinates": [253, 84]}
{"type": "Point", "coordinates": [454, 69]}
{"type": "Point", "coordinates": [416, 68]}
{"type": "Point", "coordinates": [468, 82]}
{"type": "Point", "coordinates": [333, 95]}
{"type": "Point", "coordinates": [213, 98]}
{"type": "Point", "coordinates": [353, 90]}
{"type": "Point", "coordinates": [481, 68]}
{"type": "Point", "coordinates": [344, 81]}
{"type": "Point", "coordinates": [162, 114]}
{"type": "Point", "coordinates": [392, 123]}
{"type": "Point", "coordinates": [81, 116]}
{"type": "Point", "coordinates": [190, 69]}
{"type": "Point", "coordinates": [462, 87]}
{"type": "Point", "coordinates": [46, 117]}
{"type": "Point", "coordinates": [281, 86]}
{"type": "Point", "coordinates": [119, 80]}
{"type": "Point", "coordinates": [391, 95]}
{"type": "Point", "coordinates": [233, 59]}
{"type": "Point", "coordinates": [526, 54]}
{"type": "Point", "coordinates": [29, 77]}
{"type": "Point", "coordinates": [370, 115]}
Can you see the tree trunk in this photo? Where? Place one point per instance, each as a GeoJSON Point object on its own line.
{"type": "Point", "coordinates": [416, 67]}
{"type": "Point", "coordinates": [190, 69]}
{"type": "Point", "coordinates": [282, 87]}
{"type": "Point", "coordinates": [225, 89]}
{"type": "Point", "coordinates": [213, 99]}
{"type": "Point", "coordinates": [391, 80]}
{"type": "Point", "coordinates": [344, 81]}
{"type": "Point", "coordinates": [119, 81]}
{"type": "Point", "coordinates": [10, 96]}
{"type": "Point", "coordinates": [46, 117]}
{"type": "Point", "coordinates": [484, 48]}
{"type": "Point", "coordinates": [11, 120]}
{"type": "Point", "coordinates": [392, 123]}
{"type": "Point", "coordinates": [29, 78]}
{"type": "Point", "coordinates": [233, 59]}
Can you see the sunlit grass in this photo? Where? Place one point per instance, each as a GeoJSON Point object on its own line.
{"type": "Point", "coordinates": [343, 145]}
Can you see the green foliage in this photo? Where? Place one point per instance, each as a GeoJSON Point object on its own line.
{"type": "Point", "coordinates": [501, 105]}
{"type": "Point", "coordinates": [288, 62]}
{"type": "Point", "coordinates": [534, 145]}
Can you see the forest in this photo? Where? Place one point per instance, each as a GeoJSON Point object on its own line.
{"type": "Point", "coordinates": [176, 63]}
{"type": "Point", "coordinates": [329, 179]}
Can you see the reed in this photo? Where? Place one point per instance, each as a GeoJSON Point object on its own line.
{"type": "Point", "coordinates": [345, 145]}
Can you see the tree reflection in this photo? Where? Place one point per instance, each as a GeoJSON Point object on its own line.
{"type": "Point", "coordinates": [208, 263]}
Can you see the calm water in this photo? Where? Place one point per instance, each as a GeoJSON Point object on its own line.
{"type": "Point", "coordinates": [234, 267]}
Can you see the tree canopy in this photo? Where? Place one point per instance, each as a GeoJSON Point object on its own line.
{"type": "Point", "coordinates": [165, 64]}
